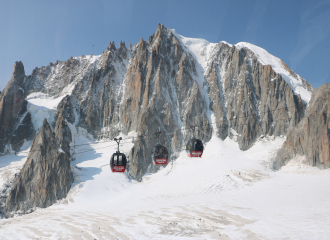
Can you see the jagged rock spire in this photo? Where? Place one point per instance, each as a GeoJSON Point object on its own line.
{"type": "Point", "coordinates": [311, 137]}
{"type": "Point", "coordinates": [45, 177]}
{"type": "Point", "coordinates": [122, 45]}
{"type": "Point", "coordinates": [12, 102]}
{"type": "Point", "coordinates": [112, 46]}
{"type": "Point", "coordinates": [18, 72]}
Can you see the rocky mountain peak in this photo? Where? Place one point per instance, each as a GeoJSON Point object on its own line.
{"type": "Point", "coordinates": [45, 177]}
{"type": "Point", "coordinates": [122, 45]}
{"type": "Point", "coordinates": [112, 46]}
{"type": "Point", "coordinates": [63, 135]}
{"type": "Point", "coordinates": [17, 77]}
{"type": "Point", "coordinates": [171, 82]}
{"type": "Point", "coordinates": [311, 137]}
{"type": "Point", "coordinates": [18, 72]}
{"type": "Point", "coordinates": [13, 110]}
{"type": "Point", "coordinates": [45, 134]}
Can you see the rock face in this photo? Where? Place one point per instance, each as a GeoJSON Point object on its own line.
{"type": "Point", "coordinates": [161, 92]}
{"type": "Point", "coordinates": [45, 177]}
{"type": "Point", "coordinates": [65, 111]}
{"type": "Point", "coordinates": [162, 84]}
{"type": "Point", "coordinates": [249, 97]}
{"type": "Point", "coordinates": [63, 135]}
{"type": "Point", "coordinates": [311, 137]}
{"type": "Point", "coordinates": [15, 121]}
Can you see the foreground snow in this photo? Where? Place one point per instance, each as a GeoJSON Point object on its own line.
{"type": "Point", "coordinates": [226, 194]}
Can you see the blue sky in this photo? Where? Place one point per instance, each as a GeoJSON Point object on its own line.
{"type": "Point", "coordinates": [40, 32]}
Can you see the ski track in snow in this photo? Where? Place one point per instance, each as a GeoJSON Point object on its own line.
{"type": "Point", "coordinates": [226, 194]}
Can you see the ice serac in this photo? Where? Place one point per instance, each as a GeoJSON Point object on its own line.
{"type": "Point", "coordinates": [45, 177]}
{"type": "Point", "coordinates": [311, 137]}
{"type": "Point", "coordinates": [13, 112]}
{"type": "Point", "coordinates": [161, 93]}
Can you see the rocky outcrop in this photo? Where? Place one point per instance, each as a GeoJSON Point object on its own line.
{"type": "Point", "coordinates": [13, 112]}
{"type": "Point", "coordinates": [68, 109]}
{"type": "Point", "coordinates": [23, 129]}
{"type": "Point", "coordinates": [45, 177]}
{"type": "Point", "coordinates": [139, 163]}
{"type": "Point", "coordinates": [311, 137]}
{"type": "Point", "coordinates": [249, 97]}
{"type": "Point", "coordinates": [160, 84]}
{"type": "Point", "coordinates": [161, 92]}
{"type": "Point", "coordinates": [65, 112]}
{"type": "Point", "coordinates": [63, 135]}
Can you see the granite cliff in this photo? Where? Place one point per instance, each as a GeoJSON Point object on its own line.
{"type": "Point", "coordinates": [45, 177]}
{"type": "Point", "coordinates": [167, 82]}
{"type": "Point", "coordinates": [311, 137]}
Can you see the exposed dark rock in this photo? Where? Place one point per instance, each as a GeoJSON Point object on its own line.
{"type": "Point", "coordinates": [23, 130]}
{"type": "Point", "coordinates": [45, 177]}
{"type": "Point", "coordinates": [311, 137]}
{"type": "Point", "coordinates": [13, 108]}
{"type": "Point", "coordinates": [155, 97]}
{"type": "Point", "coordinates": [66, 109]}
{"type": "Point", "coordinates": [249, 97]}
{"type": "Point", "coordinates": [63, 135]}
{"type": "Point", "coordinates": [93, 111]}
{"type": "Point", "coordinates": [65, 112]}
{"type": "Point", "coordinates": [138, 159]}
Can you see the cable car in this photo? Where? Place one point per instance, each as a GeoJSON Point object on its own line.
{"type": "Point", "coordinates": [159, 155]}
{"type": "Point", "coordinates": [118, 160]}
{"type": "Point", "coordinates": [195, 148]}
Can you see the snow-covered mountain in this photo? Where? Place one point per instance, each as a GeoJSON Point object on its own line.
{"type": "Point", "coordinates": [205, 52]}
{"type": "Point", "coordinates": [169, 82]}
{"type": "Point", "coordinates": [245, 103]}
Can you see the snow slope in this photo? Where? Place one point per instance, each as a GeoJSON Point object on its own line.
{"type": "Point", "coordinates": [266, 58]}
{"type": "Point", "coordinates": [226, 194]}
{"type": "Point", "coordinates": [203, 51]}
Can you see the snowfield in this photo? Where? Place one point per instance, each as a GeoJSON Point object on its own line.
{"type": "Point", "coordinates": [226, 194]}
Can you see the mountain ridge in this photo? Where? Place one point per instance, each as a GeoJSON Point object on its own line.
{"type": "Point", "coordinates": [160, 83]}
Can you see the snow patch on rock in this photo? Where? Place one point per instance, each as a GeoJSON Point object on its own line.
{"type": "Point", "coordinates": [266, 58]}
{"type": "Point", "coordinates": [202, 50]}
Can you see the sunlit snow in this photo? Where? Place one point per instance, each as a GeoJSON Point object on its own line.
{"type": "Point", "coordinates": [266, 58]}
{"type": "Point", "coordinates": [42, 106]}
{"type": "Point", "coordinates": [226, 194]}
